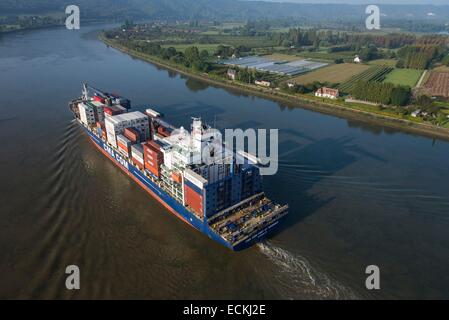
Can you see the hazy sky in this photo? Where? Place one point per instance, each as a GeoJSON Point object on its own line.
{"type": "Point", "coordinates": [438, 2]}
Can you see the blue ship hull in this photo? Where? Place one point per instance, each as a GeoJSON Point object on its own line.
{"type": "Point", "coordinates": [170, 203]}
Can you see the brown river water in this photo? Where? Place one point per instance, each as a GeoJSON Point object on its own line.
{"type": "Point", "coordinates": [359, 194]}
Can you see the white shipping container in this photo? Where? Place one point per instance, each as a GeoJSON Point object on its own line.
{"type": "Point", "coordinates": [123, 140]}
{"type": "Point", "coordinates": [137, 150]}
{"type": "Point", "coordinates": [87, 114]}
{"type": "Point", "coordinates": [152, 113]}
{"type": "Point", "coordinates": [137, 158]}
{"type": "Point", "coordinates": [115, 125]}
{"type": "Point", "coordinates": [195, 178]}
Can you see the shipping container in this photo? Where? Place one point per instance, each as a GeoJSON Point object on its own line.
{"type": "Point", "coordinates": [154, 144]}
{"type": "Point", "coordinates": [155, 171]}
{"type": "Point", "coordinates": [138, 163]}
{"type": "Point", "coordinates": [150, 149]}
{"type": "Point", "coordinates": [114, 110]}
{"type": "Point", "coordinates": [153, 158]}
{"type": "Point", "coordinates": [163, 131]}
{"type": "Point", "coordinates": [132, 134]}
{"type": "Point", "coordinates": [152, 113]}
{"type": "Point", "coordinates": [123, 148]}
{"type": "Point", "coordinates": [98, 99]}
{"type": "Point", "coordinates": [124, 144]}
{"type": "Point", "coordinates": [176, 177]}
{"type": "Point", "coordinates": [137, 150]}
{"type": "Point", "coordinates": [193, 200]}
{"type": "Point", "coordinates": [108, 111]}
{"type": "Point", "coordinates": [125, 140]}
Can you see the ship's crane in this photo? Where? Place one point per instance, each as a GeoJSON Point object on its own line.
{"type": "Point", "coordinates": [109, 99]}
{"type": "Point", "coordinates": [98, 92]}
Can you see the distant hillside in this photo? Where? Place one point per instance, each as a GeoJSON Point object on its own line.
{"type": "Point", "coordinates": [118, 10]}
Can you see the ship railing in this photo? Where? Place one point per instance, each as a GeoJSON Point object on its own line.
{"type": "Point", "coordinates": [248, 226]}
{"type": "Point", "coordinates": [223, 214]}
{"type": "Point", "coordinates": [244, 213]}
{"type": "Point", "coordinates": [242, 234]}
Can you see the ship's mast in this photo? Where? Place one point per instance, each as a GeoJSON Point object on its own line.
{"type": "Point", "coordinates": [85, 92]}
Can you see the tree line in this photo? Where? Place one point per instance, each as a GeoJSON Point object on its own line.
{"type": "Point", "coordinates": [418, 56]}
{"type": "Point", "coordinates": [192, 57]}
{"type": "Point", "coordinates": [382, 92]}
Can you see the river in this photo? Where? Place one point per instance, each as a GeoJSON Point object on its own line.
{"type": "Point", "coordinates": [359, 194]}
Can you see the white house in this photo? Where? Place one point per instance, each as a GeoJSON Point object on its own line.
{"type": "Point", "coordinates": [325, 92]}
{"type": "Point", "coordinates": [357, 59]}
{"type": "Point", "coordinates": [416, 113]}
{"type": "Point", "coordinates": [262, 83]}
{"type": "Point", "coordinates": [231, 74]}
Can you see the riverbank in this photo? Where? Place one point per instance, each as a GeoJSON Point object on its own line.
{"type": "Point", "coordinates": [336, 108]}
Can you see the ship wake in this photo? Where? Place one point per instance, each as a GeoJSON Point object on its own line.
{"type": "Point", "coordinates": [298, 279]}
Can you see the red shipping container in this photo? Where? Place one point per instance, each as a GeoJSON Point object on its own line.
{"type": "Point", "coordinates": [99, 99]}
{"type": "Point", "coordinates": [163, 131]}
{"type": "Point", "coordinates": [108, 111]}
{"type": "Point", "coordinates": [131, 134]}
{"type": "Point", "coordinates": [193, 200]}
{"type": "Point", "coordinates": [154, 154]}
{"type": "Point", "coordinates": [154, 145]}
{"type": "Point", "coordinates": [150, 150]}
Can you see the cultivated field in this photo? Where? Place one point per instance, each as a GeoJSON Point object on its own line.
{"type": "Point", "coordinates": [405, 77]}
{"type": "Point", "coordinates": [374, 73]}
{"type": "Point", "coordinates": [383, 62]}
{"type": "Point", "coordinates": [437, 84]}
{"type": "Point", "coordinates": [441, 69]}
{"type": "Point", "coordinates": [336, 73]}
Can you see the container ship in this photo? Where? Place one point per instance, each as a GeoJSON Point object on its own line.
{"type": "Point", "coordinates": [215, 190]}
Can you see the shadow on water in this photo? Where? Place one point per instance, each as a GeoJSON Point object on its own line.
{"type": "Point", "coordinates": [319, 160]}
{"type": "Point", "coordinates": [195, 85]}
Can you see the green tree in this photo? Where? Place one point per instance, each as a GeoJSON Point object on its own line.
{"type": "Point", "coordinates": [400, 96]}
{"type": "Point", "coordinates": [204, 54]}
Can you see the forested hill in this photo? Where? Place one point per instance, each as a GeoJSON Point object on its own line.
{"type": "Point", "coordinates": [220, 10]}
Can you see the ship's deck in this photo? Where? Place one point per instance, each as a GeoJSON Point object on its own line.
{"type": "Point", "coordinates": [246, 218]}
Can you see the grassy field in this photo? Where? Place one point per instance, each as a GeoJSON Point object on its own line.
{"type": "Point", "coordinates": [323, 55]}
{"type": "Point", "coordinates": [406, 77]}
{"type": "Point", "coordinates": [383, 62]}
{"type": "Point", "coordinates": [252, 42]}
{"type": "Point", "coordinates": [230, 25]}
{"type": "Point", "coordinates": [182, 47]}
{"type": "Point", "coordinates": [336, 73]}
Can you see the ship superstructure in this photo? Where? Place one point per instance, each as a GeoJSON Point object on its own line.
{"type": "Point", "coordinates": [190, 172]}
